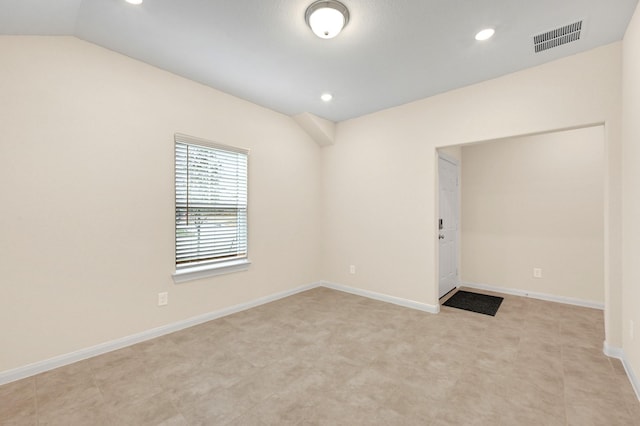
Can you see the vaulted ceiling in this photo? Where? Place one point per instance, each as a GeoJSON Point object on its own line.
{"type": "Point", "coordinates": [391, 52]}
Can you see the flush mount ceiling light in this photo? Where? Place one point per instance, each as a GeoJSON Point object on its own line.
{"type": "Point", "coordinates": [485, 34]}
{"type": "Point", "coordinates": [327, 18]}
{"type": "Point", "coordinates": [136, 2]}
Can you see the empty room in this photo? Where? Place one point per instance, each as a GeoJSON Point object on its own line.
{"type": "Point", "coordinates": [319, 212]}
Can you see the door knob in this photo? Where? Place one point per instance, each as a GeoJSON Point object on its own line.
{"type": "Point", "coordinates": [441, 237]}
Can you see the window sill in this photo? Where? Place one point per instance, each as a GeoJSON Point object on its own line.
{"type": "Point", "coordinates": [197, 272]}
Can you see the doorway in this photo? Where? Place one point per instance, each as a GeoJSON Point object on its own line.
{"type": "Point", "coordinates": [448, 171]}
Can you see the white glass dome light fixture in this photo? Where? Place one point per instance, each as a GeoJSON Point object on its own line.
{"type": "Point", "coordinates": [327, 18]}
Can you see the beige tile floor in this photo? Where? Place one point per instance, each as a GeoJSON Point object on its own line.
{"type": "Point", "coordinates": [326, 357]}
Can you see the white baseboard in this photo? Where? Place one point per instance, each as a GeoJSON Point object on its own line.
{"type": "Point", "coordinates": [433, 309]}
{"type": "Point", "coordinates": [66, 359]}
{"type": "Point", "coordinates": [614, 352]}
{"type": "Point", "coordinates": [62, 360]}
{"type": "Point", "coordinates": [102, 348]}
{"type": "Point", "coordinates": [534, 295]}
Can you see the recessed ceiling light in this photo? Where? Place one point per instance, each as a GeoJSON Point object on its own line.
{"type": "Point", "coordinates": [485, 34]}
{"type": "Point", "coordinates": [326, 97]}
{"type": "Point", "coordinates": [136, 2]}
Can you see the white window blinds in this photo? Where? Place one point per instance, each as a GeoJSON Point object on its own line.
{"type": "Point", "coordinates": [211, 202]}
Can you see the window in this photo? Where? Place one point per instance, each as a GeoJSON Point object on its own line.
{"type": "Point", "coordinates": [211, 208]}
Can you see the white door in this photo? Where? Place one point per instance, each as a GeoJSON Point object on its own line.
{"type": "Point", "coordinates": [448, 225]}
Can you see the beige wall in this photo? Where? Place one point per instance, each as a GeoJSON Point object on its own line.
{"type": "Point", "coordinates": [379, 178]}
{"type": "Point", "coordinates": [631, 192]}
{"type": "Point", "coordinates": [536, 201]}
{"type": "Point", "coordinates": [86, 182]}
{"type": "Point", "coordinates": [86, 179]}
{"type": "Point", "coordinates": [455, 152]}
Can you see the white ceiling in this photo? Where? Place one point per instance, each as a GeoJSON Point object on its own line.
{"type": "Point", "coordinates": [390, 53]}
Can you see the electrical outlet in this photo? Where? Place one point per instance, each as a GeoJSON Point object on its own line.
{"type": "Point", "coordinates": [352, 269]}
{"type": "Point", "coordinates": [163, 298]}
{"type": "Point", "coordinates": [537, 273]}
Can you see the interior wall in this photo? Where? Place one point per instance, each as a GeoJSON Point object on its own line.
{"type": "Point", "coordinates": [536, 202]}
{"type": "Point", "coordinates": [86, 179]}
{"type": "Point", "coordinates": [455, 152]}
{"type": "Point", "coordinates": [379, 178]}
{"type": "Point", "coordinates": [87, 165]}
{"type": "Point", "coordinates": [631, 192]}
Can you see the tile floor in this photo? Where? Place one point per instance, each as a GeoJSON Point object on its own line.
{"type": "Point", "coordinates": [327, 357]}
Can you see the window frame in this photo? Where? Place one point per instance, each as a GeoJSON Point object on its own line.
{"type": "Point", "coordinates": [207, 269]}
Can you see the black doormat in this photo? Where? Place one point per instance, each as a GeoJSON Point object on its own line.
{"type": "Point", "coordinates": [475, 302]}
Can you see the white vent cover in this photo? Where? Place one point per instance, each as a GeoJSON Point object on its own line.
{"type": "Point", "coordinates": [557, 37]}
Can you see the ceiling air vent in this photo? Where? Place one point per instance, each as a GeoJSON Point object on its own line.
{"type": "Point", "coordinates": [557, 37]}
